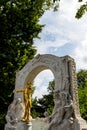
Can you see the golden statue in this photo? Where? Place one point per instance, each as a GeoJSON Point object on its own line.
{"type": "Point", "coordinates": [27, 101]}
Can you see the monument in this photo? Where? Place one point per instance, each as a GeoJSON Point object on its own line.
{"type": "Point", "coordinates": [66, 114]}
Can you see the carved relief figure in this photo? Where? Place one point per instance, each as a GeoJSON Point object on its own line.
{"type": "Point", "coordinates": [62, 116]}
{"type": "Point", "coordinates": [27, 100]}
{"type": "Point", "coordinates": [15, 112]}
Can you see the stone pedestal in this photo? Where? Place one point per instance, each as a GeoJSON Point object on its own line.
{"type": "Point", "coordinates": [9, 127]}
{"type": "Point", "coordinates": [19, 126]}
{"type": "Point", "coordinates": [24, 126]}
{"type": "Point", "coordinates": [39, 124]}
{"type": "Point", "coordinates": [27, 126]}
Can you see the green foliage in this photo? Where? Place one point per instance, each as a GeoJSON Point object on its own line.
{"type": "Point", "coordinates": [82, 92]}
{"type": "Point", "coordinates": [51, 86]}
{"type": "Point", "coordinates": [81, 11]}
{"type": "Point", "coordinates": [46, 101]}
{"type": "Point", "coordinates": [36, 110]}
{"type": "Point", "coordinates": [42, 105]}
{"type": "Point", "coordinates": [19, 21]}
{"type": "Point", "coordinates": [82, 78]}
{"type": "Point", "coordinates": [80, 0]}
{"type": "Point", "coordinates": [83, 101]}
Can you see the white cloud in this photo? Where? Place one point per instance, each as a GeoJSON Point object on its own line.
{"type": "Point", "coordinates": [39, 93]}
{"type": "Point", "coordinates": [61, 27]}
{"type": "Point", "coordinates": [81, 54]}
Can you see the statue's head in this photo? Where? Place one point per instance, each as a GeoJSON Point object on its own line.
{"type": "Point", "coordinates": [29, 85]}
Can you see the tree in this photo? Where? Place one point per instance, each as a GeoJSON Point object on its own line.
{"type": "Point", "coordinates": [82, 92]}
{"type": "Point", "coordinates": [82, 78]}
{"type": "Point", "coordinates": [37, 110]}
{"type": "Point", "coordinates": [51, 86]}
{"type": "Point", "coordinates": [19, 25]}
{"type": "Point", "coordinates": [82, 10]}
{"type": "Point", "coordinates": [42, 105]}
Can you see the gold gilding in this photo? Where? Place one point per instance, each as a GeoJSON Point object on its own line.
{"type": "Point", "coordinates": [27, 101]}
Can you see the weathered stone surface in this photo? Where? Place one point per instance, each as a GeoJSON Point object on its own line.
{"type": "Point", "coordinates": [39, 124]}
{"type": "Point", "coordinates": [14, 114]}
{"type": "Point", "coordinates": [66, 113]}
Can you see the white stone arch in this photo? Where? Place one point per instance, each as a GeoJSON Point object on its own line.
{"type": "Point", "coordinates": [63, 69]}
{"type": "Point", "coordinates": [34, 67]}
{"type": "Point", "coordinates": [66, 113]}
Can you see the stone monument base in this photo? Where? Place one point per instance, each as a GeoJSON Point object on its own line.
{"type": "Point", "coordinates": [39, 124]}
{"type": "Point", "coordinates": [19, 126]}
{"type": "Point", "coordinates": [10, 127]}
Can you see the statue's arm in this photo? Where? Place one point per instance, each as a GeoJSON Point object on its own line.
{"type": "Point", "coordinates": [21, 90]}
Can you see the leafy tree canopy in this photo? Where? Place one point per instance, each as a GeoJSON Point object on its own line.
{"type": "Point", "coordinates": [82, 78]}
{"type": "Point", "coordinates": [82, 91]}
{"type": "Point", "coordinates": [51, 86]}
{"type": "Point", "coordinates": [82, 10]}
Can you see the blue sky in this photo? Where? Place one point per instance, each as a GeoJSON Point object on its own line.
{"type": "Point", "coordinates": [62, 35]}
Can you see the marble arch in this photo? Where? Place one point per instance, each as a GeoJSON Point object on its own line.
{"type": "Point", "coordinates": [66, 113]}
{"type": "Point", "coordinates": [63, 69]}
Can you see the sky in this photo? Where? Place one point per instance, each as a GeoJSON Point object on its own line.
{"type": "Point", "coordinates": [62, 35]}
